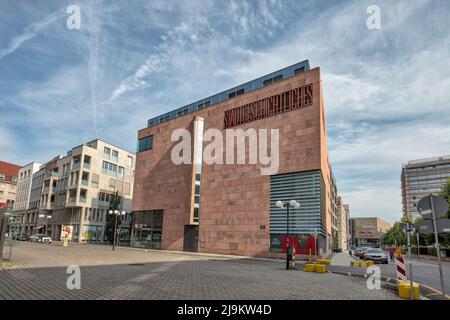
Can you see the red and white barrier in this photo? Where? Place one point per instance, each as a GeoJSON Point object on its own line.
{"type": "Point", "coordinates": [401, 270]}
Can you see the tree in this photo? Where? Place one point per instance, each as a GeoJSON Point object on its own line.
{"type": "Point", "coordinates": [114, 204]}
{"type": "Point", "coordinates": [445, 193]}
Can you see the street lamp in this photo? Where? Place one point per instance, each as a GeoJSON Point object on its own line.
{"type": "Point", "coordinates": [8, 217]}
{"type": "Point", "coordinates": [287, 205]}
{"type": "Point", "coordinates": [116, 213]}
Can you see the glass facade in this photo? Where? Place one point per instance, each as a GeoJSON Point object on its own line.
{"type": "Point", "coordinates": [307, 188]}
{"type": "Point", "coordinates": [145, 143]}
{"type": "Point", "coordinates": [147, 229]}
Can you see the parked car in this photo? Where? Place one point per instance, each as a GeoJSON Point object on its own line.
{"type": "Point", "coordinates": [377, 255]}
{"type": "Point", "coordinates": [358, 251]}
{"type": "Point", "coordinates": [21, 237]}
{"type": "Point", "coordinates": [42, 238]}
{"type": "Point", "coordinates": [362, 252]}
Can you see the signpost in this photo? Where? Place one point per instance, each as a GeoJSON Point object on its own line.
{"type": "Point", "coordinates": [408, 230]}
{"type": "Point", "coordinates": [434, 207]}
{"type": "Point", "coordinates": [66, 234]}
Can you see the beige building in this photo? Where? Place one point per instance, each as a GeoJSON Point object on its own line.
{"type": "Point", "coordinates": [24, 186]}
{"type": "Point", "coordinates": [8, 183]}
{"type": "Point", "coordinates": [343, 217]}
{"type": "Point", "coordinates": [368, 231]}
{"type": "Point", "coordinates": [77, 189]}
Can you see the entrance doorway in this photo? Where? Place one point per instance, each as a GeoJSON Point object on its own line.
{"type": "Point", "coordinates": [190, 242]}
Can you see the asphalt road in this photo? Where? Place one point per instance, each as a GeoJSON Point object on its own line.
{"type": "Point", "coordinates": [423, 272]}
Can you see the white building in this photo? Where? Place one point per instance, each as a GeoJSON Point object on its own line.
{"type": "Point", "coordinates": [24, 186]}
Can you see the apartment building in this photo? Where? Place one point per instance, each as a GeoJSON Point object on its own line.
{"type": "Point", "coordinates": [8, 182]}
{"type": "Point", "coordinates": [23, 196]}
{"type": "Point", "coordinates": [24, 186]}
{"type": "Point", "coordinates": [77, 187]}
{"type": "Point", "coordinates": [30, 217]}
{"type": "Point", "coordinates": [421, 178]}
{"type": "Point", "coordinates": [343, 217]}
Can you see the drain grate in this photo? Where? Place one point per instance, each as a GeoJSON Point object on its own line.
{"type": "Point", "coordinates": [136, 264]}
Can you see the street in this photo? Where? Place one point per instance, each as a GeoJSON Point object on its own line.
{"type": "Point", "coordinates": [426, 273]}
{"type": "Point", "coordinates": [40, 273]}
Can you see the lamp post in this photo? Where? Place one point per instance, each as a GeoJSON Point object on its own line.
{"type": "Point", "coordinates": [287, 205]}
{"type": "Point", "coordinates": [117, 213]}
{"type": "Point", "coordinates": [8, 216]}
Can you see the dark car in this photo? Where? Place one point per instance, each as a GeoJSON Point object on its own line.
{"type": "Point", "coordinates": [21, 237]}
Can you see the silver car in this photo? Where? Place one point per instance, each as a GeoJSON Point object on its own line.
{"type": "Point", "coordinates": [42, 238]}
{"type": "Point", "coordinates": [376, 255]}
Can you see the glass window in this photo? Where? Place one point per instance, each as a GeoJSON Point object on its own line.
{"type": "Point", "coordinates": [115, 155]}
{"type": "Point", "coordinates": [129, 161]}
{"type": "Point", "coordinates": [121, 172]}
{"type": "Point", "coordinates": [106, 152]}
{"type": "Point", "coordinates": [145, 144]}
{"type": "Point", "coordinates": [2, 177]}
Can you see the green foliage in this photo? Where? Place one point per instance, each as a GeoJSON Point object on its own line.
{"type": "Point", "coordinates": [114, 204]}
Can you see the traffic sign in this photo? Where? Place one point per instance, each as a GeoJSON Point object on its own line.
{"type": "Point", "coordinates": [440, 206]}
{"type": "Point", "coordinates": [426, 226]}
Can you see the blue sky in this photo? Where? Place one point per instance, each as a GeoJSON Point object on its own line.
{"type": "Point", "coordinates": [387, 91]}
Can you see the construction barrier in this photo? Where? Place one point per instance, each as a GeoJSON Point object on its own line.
{"type": "Point", "coordinates": [355, 263]}
{"type": "Point", "coordinates": [315, 267]}
{"type": "Point", "coordinates": [310, 267]}
{"type": "Point", "coordinates": [404, 289]}
{"type": "Point", "coordinates": [323, 261]}
{"type": "Point", "coordinates": [400, 265]}
{"type": "Point", "coordinates": [320, 268]}
{"type": "Point", "coordinates": [362, 264]}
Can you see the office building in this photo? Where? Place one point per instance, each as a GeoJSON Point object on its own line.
{"type": "Point", "coordinates": [227, 204]}
{"type": "Point", "coordinates": [368, 231]}
{"type": "Point", "coordinates": [421, 178]}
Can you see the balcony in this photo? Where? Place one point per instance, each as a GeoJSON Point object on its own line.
{"type": "Point", "coordinates": [71, 200]}
{"type": "Point", "coordinates": [82, 200]}
{"type": "Point", "coordinates": [86, 165]}
{"type": "Point", "coordinates": [75, 166]}
{"type": "Point", "coordinates": [84, 182]}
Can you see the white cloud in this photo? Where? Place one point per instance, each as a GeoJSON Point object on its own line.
{"type": "Point", "coordinates": [29, 33]}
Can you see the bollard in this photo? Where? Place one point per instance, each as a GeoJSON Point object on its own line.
{"type": "Point", "coordinates": [293, 259]}
{"type": "Point", "coordinates": [310, 267]}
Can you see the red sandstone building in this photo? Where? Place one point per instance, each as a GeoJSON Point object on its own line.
{"type": "Point", "coordinates": [230, 208]}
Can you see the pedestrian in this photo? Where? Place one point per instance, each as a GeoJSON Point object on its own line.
{"type": "Point", "coordinates": [391, 254]}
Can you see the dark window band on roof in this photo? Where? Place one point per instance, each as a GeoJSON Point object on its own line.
{"type": "Point", "coordinates": [233, 92]}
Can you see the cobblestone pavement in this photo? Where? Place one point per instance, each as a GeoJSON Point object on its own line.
{"type": "Point", "coordinates": [136, 274]}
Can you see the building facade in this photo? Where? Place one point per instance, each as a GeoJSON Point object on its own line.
{"type": "Point", "coordinates": [227, 204]}
{"type": "Point", "coordinates": [368, 231]}
{"type": "Point", "coordinates": [421, 178]}
{"type": "Point", "coordinates": [76, 189]}
{"type": "Point", "coordinates": [21, 204]}
{"type": "Point", "coordinates": [8, 182]}
{"type": "Point", "coordinates": [343, 224]}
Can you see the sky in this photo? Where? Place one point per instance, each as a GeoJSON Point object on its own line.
{"type": "Point", "coordinates": [386, 90]}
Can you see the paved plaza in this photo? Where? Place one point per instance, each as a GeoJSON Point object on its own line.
{"type": "Point", "coordinates": [40, 273]}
